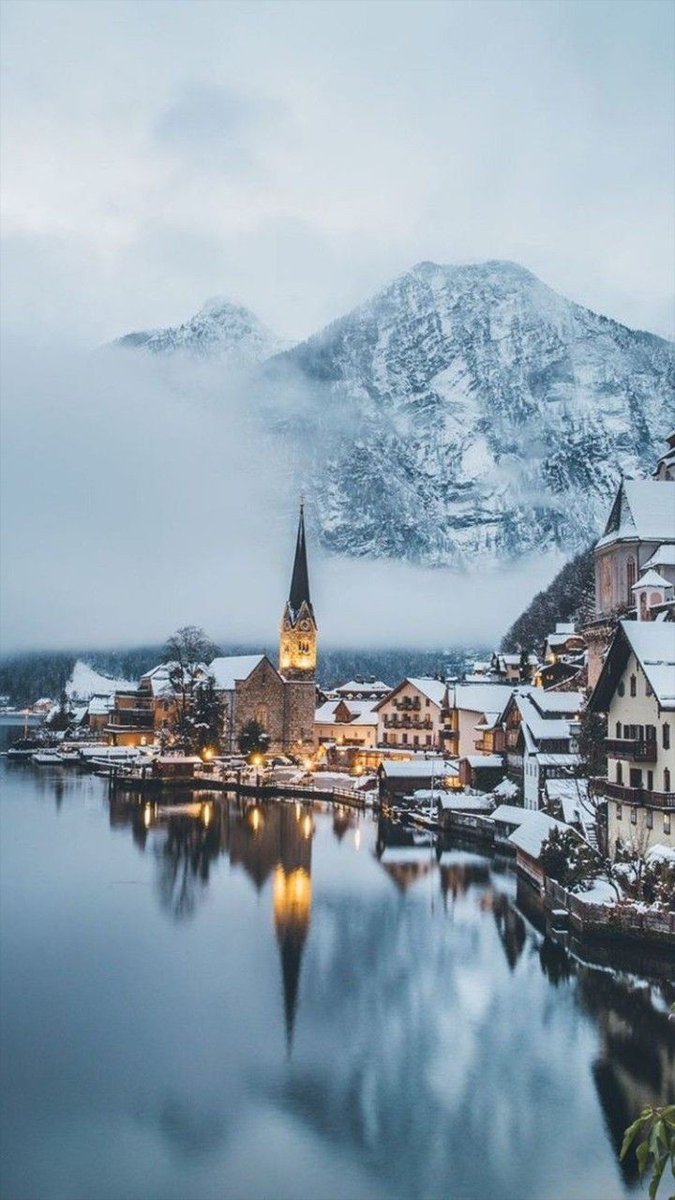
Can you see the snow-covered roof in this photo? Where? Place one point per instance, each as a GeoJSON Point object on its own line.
{"type": "Point", "coordinates": [511, 814]}
{"type": "Point", "coordinates": [558, 760]}
{"type": "Point", "coordinates": [481, 697]}
{"type": "Point", "coordinates": [425, 768]}
{"type": "Point", "coordinates": [533, 832]}
{"type": "Point", "coordinates": [483, 760]}
{"type": "Point", "coordinates": [647, 512]}
{"type": "Point", "coordinates": [556, 702]}
{"type": "Point", "coordinates": [227, 670]}
{"type": "Point", "coordinates": [362, 712]}
{"type": "Point", "coordinates": [433, 689]}
{"type": "Point", "coordinates": [99, 706]}
{"type": "Point", "coordinates": [560, 639]}
{"type": "Point", "coordinates": [663, 557]}
{"type": "Point", "coordinates": [565, 627]}
{"type": "Point", "coordinates": [465, 802]}
{"type": "Point", "coordinates": [653, 644]}
{"type": "Point", "coordinates": [651, 578]}
{"type": "Point", "coordinates": [541, 727]}
{"type": "Point", "coordinates": [354, 686]}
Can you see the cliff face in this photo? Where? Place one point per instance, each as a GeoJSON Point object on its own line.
{"type": "Point", "coordinates": [472, 414]}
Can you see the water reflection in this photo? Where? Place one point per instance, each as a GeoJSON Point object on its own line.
{"type": "Point", "coordinates": [388, 1009]}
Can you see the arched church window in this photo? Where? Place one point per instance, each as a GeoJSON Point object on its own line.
{"type": "Point", "coordinates": [630, 579]}
{"type": "Point", "coordinates": [261, 715]}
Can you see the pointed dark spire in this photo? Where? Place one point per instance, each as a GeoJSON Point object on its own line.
{"type": "Point", "coordinates": [300, 579]}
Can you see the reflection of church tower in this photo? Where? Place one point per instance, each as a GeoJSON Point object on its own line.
{"type": "Point", "coordinates": [293, 901]}
{"type": "Point", "coordinates": [298, 649]}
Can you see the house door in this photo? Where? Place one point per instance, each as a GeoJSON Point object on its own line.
{"type": "Point", "coordinates": [635, 778]}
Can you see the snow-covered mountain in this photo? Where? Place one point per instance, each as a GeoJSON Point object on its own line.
{"type": "Point", "coordinates": [220, 330]}
{"type": "Point", "coordinates": [469, 414]}
{"type": "Point", "coordinates": [86, 682]}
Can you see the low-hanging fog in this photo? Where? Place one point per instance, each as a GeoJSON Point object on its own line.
{"type": "Point", "coordinates": [140, 495]}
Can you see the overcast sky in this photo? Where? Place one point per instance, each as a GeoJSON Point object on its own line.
{"type": "Point", "coordinates": [294, 156]}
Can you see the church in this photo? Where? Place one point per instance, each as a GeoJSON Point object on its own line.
{"type": "Point", "coordinates": [282, 700]}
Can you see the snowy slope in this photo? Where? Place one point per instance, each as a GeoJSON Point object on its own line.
{"type": "Point", "coordinates": [470, 414]}
{"type": "Point", "coordinates": [85, 682]}
{"type": "Point", "coordinates": [220, 330]}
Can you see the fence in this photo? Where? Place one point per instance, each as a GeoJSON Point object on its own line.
{"type": "Point", "coordinates": [607, 919]}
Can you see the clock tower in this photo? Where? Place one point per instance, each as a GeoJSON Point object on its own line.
{"type": "Point", "coordinates": [299, 632]}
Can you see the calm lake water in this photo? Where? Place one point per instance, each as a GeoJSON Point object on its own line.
{"type": "Point", "coordinates": [280, 1002]}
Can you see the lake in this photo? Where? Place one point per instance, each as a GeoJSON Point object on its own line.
{"type": "Point", "coordinates": [282, 1002]}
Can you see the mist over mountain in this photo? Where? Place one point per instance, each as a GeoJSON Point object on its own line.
{"type": "Point", "coordinates": [221, 330]}
{"type": "Point", "coordinates": [464, 416]}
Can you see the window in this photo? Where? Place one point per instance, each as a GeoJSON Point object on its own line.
{"type": "Point", "coordinates": [635, 777]}
{"type": "Point", "coordinates": [649, 691]}
{"type": "Point", "coordinates": [416, 740]}
{"type": "Point", "coordinates": [650, 733]}
{"type": "Point", "coordinates": [633, 815]}
{"type": "Point", "coordinates": [428, 739]}
{"type": "Point", "coordinates": [633, 686]}
{"type": "Point", "coordinates": [650, 819]}
{"type": "Point", "coordinates": [618, 812]}
{"type": "Point", "coordinates": [666, 822]}
{"type": "Point", "coordinates": [384, 738]}
{"type": "Point", "coordinates": [621, 688]}
{"type": "Point", "coordinates": [650, 780]}
{"type": "Point", "coordinates": [619, 772]}
{"type": "Point", "coordinates": [665, 734]}
{"type": "Point", "coordinates": [618, 729]}
{"type": "Point", "coordinates": [666, 780]}
{"type": "Point", "coordinates": [404, 739]}
{"type": "Point", "coordinates": [630, 580]}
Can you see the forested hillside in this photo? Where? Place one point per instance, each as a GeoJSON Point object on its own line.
{"type": "Point", "coordinates": [569, 597]}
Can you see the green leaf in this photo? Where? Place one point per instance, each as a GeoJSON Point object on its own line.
{"type": "Point", "coordinates": [643, 1154]}
{"type": "Point", "coordinates": [656, 1177]}
{"type": "Point", "coordinates": [631, 1133]}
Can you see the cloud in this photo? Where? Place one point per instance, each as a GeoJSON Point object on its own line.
{"type": "Point", "coordinates": [138, 496]}
{"type": "Point", "coordinates": [216, 129]}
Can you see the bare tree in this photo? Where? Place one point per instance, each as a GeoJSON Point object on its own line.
{"type": "Point", "coordinates": [188, 653]}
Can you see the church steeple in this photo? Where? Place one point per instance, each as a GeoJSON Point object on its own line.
{"type": "Point", "coordinates": [298, 642]}
{"type": "Point", "coordinates": [299, 592]}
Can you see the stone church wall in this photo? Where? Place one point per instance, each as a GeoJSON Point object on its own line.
{"type": "Point", "coordinates": [261, 698]}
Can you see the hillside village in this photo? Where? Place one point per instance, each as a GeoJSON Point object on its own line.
{"type": "Point", "coordinates": [564, 752]}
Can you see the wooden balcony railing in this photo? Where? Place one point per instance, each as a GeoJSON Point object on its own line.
{"type": "Point", "coordinates": [631, 795]}
{"type": "Point", "coordinates": [631, 748]}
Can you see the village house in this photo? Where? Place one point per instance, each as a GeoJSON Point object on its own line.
{"type": "Point", "coordinates": [636, 690]}
{"type": "Point", "coordinates": [639, 536]}
{"type": "Point", "coordinates": [540, 738]}
{"type": "Point", "coordinates": [412, 714]}
{"type": "Point", "coordinates": [398, 779]}
{"type": "Point", "coordinates": [346, 722]}
{"type": "Point", "coordinates": [528, 841]}
{"type": "Point", "coordinates": [482, 772]}
{"type": "Point", "coordinates": [513, 668]}
{"type": "Point", "coordinates": [470, 718]}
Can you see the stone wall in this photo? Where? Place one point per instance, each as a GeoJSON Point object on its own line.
{"type": "Point", "coordinates": [261, 698]}
{"type": "Point", "coordinates": [300, 706]}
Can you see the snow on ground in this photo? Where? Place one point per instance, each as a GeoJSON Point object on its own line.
{"type": "Point", "coordinates": [86, 682]}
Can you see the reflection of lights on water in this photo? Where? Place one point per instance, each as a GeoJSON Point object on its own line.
{"type": "Point", "coordinates": [256, 819]}
{"type": "Point", "coordinates": [298, 810]}
{"type": "Point", "coordinates": [307, 826]}
{"type": "Point", "coordinates": [147, 815]}
{"type": "Point", "coordinates": [206, 814]}
{"type": "Point", "coordinates": [357, 838]}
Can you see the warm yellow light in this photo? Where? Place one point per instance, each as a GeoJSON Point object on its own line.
{"type": "Point", "coordinates": [298, 810]}
{"type": "Point", "coordinates": [207, 754]}
{"type": "Point", "coordinates": [358, 769]}
{"type": "Point", "coordinates": [206, 814]}
{"type": "Point", "coordinates": [256, 819]}
{"type": "Point", "coordinates": [308, 764]}
{"type": "Point", "coordinates": [147, 815]}
{"type": "Point", "coordinates": [307, 826]}
{"type": "Point", "coordinates": [256, 760]}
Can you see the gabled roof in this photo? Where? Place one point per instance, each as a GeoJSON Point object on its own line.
{"type": "Point", "coordinates": [353, 685]}
{"type": "Point", "coordinates": [531, 835]}
{"type": "Point", "coordinates": [653, 644]}
{"type": "Point", "coordinates": [643, 510]}
{"type": "Point", "coordinates": [511, 814]}
{"type": "Point", "coordinates": [227, 670]}
{"type": "Point", "coordinates": [481, 697]}
{"type": "Point", "coordinates": [433, 689]}
{"type": "Point", "coordinates": [361, 712]}
{"type": "Point", "coordinates": [421, 768]}
{"type": "Point", "coordinates": [663, 557]}
{"type": "Point", "coordinates": [652, 578]}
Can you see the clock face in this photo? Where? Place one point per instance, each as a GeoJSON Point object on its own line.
{"type": "Point", "coordinates": [304, 625]}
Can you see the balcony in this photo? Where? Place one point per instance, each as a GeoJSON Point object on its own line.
{"type": "Point", "coordinates": [638, 796]}
{"type": "Point", "coordinates": [125, 718]}
{"type": "Point", "coordinates": [631, 749]}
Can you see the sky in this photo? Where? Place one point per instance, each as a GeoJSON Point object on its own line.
{"type": "Point", "coordinates": [295, 156]}
{"type": "Point", "coordinates": [292, 157]}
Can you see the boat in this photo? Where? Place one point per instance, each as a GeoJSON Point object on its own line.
{"type": "Point", "coordinates": [47, 758]}
{"type": "Point", "coordinates": [23, 749]}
